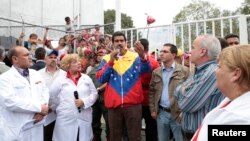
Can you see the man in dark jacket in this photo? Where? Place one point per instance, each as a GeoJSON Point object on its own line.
{"type": "Point", "coordinates": [40, 54]}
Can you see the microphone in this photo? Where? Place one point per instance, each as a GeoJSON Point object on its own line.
{"type": "Point", "coordinates": [118, 50]}
{"type": "Point", "coordinates": [76, 97]}
{"type": "Point", "coordinates": [118, 54]}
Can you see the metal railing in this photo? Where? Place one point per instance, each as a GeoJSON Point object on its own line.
{"type": "Point", "coordinates": [182, 34]}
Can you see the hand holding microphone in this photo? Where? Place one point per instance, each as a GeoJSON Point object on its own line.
{"type": "Point", "coordinates": [78, 101]}
{"type": "Point", "coordinates": [114, 55]}
{"type": "Point", "coordinates": [118, 54]}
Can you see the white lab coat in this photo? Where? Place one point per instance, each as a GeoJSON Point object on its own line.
{"type": "Point", "coordinates": [68, 118]}
{"type": "Point", "coordinates": [19, 101]}
{"type": "Point", "coordinates": [49, 78]}
{"type": "Point", "coordinates": [237, 112]}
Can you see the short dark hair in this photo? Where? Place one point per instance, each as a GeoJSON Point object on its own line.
{"type": "Point", "coordinates": [33, 34]}
{"type": "Point", "coordinates": [67, 19]}
{"type": "Point", "coordinates": [231, 35]}
{"type": "Point", "coordinates": [145, 43]}
{"type": "Point", "coordinates": [173, 48]}
{"type": "Point", "coordinates": [118, 33]}
{"type": "Point", "coordinates": [40, 53]}
{"type": "Point", "coordinates": [223, 42]}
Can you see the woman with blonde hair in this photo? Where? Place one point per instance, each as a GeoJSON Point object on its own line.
{"type": "Point", "coordinates": [233, 80]}
{"type": "Point", "coordinates": [71, 96]}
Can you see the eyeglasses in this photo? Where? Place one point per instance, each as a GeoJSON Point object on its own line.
{"type": "Point", "coordinates": [233, 43]}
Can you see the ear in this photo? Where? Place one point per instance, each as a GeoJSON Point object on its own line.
{"type": "Point", "coordinates": [203, 51]}
{"type": "Point", "coordinates": [14, 58]}
{"type": "Point", "coordinates": [236, 74]}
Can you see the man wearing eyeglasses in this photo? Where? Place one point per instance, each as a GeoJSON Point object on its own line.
{"type": "Point", "coordinates": [162, 102]}
{"type": "Point", "coordinates": [232, 39]}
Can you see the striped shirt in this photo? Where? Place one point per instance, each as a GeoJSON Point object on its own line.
{"type": "Point", "coordinates": [198, 95]}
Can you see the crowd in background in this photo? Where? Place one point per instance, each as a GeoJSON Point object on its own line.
{"type": "Point", "coordinates": [172, 90]}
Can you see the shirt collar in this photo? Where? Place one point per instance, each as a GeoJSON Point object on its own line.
{"type": "Point", "coordinates": [46, 69]}
{"type": "Point", "coordinates": [40, 61]}
{"type": "Point", "coordinates": [201, 67]}
{"type": "Point", "coordinates": [23, 72]}
{"type": "Point", "coordinates": [71, 78]}
{"type": "Point", "coordinates": [171, 68]}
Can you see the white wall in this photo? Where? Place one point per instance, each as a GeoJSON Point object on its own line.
{"type": "Point", "coordinates": [53, 12]}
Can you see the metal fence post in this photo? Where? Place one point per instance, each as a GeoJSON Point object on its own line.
{"type": "Point", "coordinates": [243, 29]}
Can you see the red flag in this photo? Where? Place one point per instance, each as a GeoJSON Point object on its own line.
{"type": "Point", "coordinates": [150, 20]}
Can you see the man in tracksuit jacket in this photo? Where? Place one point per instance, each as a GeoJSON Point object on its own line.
{"type": "Point", "coordinates": [121, 69]}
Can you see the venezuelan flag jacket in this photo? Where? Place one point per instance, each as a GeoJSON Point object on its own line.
{"type": "Point", "coordinates": [123, 79]}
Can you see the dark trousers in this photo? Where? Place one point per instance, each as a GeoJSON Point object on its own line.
{"type": "Point", "coordinates": [188, 136]}
{"type": "Point", "coordinates": [48, 131]}
{"type": "Point", "coordinates": [151, 126]}
{"type": "Point", "coordinates": [131, 116]}
{"type": "Point", "coordinates": [99, 110]}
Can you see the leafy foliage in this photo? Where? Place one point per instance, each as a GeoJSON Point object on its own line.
{"type": "Point", "coordinates": [109, 17]}
{"type": "Point", "coordinates": [200, 10]}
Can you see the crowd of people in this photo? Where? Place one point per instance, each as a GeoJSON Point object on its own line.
{"type": "Point", "coordinates": [53, 93]}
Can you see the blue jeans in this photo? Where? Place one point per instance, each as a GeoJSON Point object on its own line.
{"type": "Point", "coordinates": [166, 123]}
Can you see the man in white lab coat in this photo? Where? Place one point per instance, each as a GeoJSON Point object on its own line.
{"type": "Point", "coordinates": [23, 99]}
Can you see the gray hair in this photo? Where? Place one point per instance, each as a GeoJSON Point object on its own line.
{"type": "Point", "coordinates": [212, 44]}
{"type": "Point", "coordinates": [2, 52]}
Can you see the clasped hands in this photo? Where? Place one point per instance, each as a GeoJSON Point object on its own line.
{"type": "Point", "coordinates": [44, 111]}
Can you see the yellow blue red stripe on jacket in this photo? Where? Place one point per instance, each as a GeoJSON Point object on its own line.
{"type": "Point", "coordinates": [123, 79]}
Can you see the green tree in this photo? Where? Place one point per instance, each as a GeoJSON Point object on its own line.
{"type": "Point", "coordinates": [197, 10]}
{"type": "Point", "coordinates": [200, 10]}
{"type": "Point", "coordinates": [245, 7]}
{"type": "Point", "coordinates": [109, 17]}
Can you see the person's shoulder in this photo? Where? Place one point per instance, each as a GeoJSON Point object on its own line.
{"type": "Point", "coordinates": [5, 75]}
{"type": "Point", "coordinates": [154, 62]}
{"type": "Point", "coordinates": [8, 72]}
{"type": "Point", "coordinates": [180, 67]}
{"type": "Point", "coordinates": [42, 70]}
{"type": "Point", "coordinates": [184, 68]}
{"type": "Point", "coordinates": [62, 72]}
{"type": "Point", "coordinates": [157, 70]}
{"type": "Point", "coordinates": [131, 54]}
{"type": "Point", "coordinates": [85, 76]}
{"type": "Point", "coordinates": [33, 71]}
{"type": "Point", "coordinates": [61, 76]}
{"type": "Point", "coordinates": [106, 57]}
{"type": "Point", "coordinates": [3, 68]}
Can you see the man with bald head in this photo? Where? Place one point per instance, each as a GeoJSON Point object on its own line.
{"type": "Point", "coordinates": [23, 99]}
{"type": "Point", "coordinates": [198, 94]}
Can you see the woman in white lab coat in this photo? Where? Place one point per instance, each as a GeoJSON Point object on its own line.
{"type": "Point", "coordinates": [233, 79]}
{"type": "Point", "coordinates": [72, 114]}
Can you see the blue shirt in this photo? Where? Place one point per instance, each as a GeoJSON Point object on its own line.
{"type": "Point", "coordinates": [166, 75]}
{"type": "Point", "coordinates": [198, 95]}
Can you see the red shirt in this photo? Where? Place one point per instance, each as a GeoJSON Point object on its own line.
{"type": "Point", "coordinates": [74, 80]}
{"type": "Point", "coordinates": [146, 77]}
